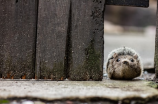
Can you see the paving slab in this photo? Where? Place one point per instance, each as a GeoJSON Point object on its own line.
{"type": "Point", "coordinates": [83, 90]}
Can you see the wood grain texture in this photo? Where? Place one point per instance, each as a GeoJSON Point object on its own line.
{"type": "Point", "coordinates": [87, 25]}
{"type": "Point", "coordinates": [51, 38]}
{"type": "Point", "coordinates": [156, 47]}
{"type": "Point", "coordinates": [18, 31]}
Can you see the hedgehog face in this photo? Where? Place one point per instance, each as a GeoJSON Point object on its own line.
{"type": "Point", "coordinates": [126, 61]}
{"type": "Point", "coordinates": [124, 67]}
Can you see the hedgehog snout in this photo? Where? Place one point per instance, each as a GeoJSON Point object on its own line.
{"type": "Point", "coordinates": [125, 62]}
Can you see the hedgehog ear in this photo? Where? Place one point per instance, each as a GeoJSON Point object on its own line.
{"type": "Point", "coordinates": [135, 56]}
{"type": "Point", "coordinates": [115, 55]}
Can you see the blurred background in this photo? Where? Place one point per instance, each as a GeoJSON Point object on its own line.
{"type": "Point", "coordinates": [133, 27]}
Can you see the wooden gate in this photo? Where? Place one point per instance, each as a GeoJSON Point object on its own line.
{"type": "Point", "coordinates": [54, 39]}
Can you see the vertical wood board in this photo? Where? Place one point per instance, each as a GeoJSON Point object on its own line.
{"type": "Point", "coordinates": [17, 34]}
{"type": "Point", "coordinates": [87, 29]}
{"type": "Point", "coordinates": [51, 38]}
{"type": "Point", "coordinates": [156, 47]}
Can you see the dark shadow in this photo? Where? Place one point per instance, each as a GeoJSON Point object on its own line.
{"type": "Point", "coordinates": [0, 75]}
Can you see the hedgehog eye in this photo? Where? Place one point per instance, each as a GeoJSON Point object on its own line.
{"type": "Point", "coordinates": [118, 60]}
{"type": "Point", "coordinates": [131, 60]}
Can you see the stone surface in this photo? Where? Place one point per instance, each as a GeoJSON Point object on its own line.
{"type": "Point", "coordinates": [82, 90]}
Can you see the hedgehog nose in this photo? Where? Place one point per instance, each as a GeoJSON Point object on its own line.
{"type": "Point", "coordinates": [125, 62]}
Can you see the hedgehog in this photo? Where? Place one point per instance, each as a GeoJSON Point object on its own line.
{"type": "Point", "coordinates": [124, 64]}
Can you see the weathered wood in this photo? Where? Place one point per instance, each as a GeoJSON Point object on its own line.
{"type": "Point", "coordinates": [17, 34]}
{"type": "Point", "coordinates": [156, 47]}
{"type": "Point", "coordinates": [86, 39]}
{"type": "Point", "coordinates": [135, 3]}
{"type": "Point", "coordinates": [51, 38]}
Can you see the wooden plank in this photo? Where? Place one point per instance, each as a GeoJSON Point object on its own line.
{"type": "Point", "coordinates": [51, 39]}
{"type": "Point", "coordinates": [156, 48]}
{"type": "Point", "coordinates": [17, 38]}
{"type": "Point", "coordinates": [87, 39]}
{"type": "Point", "coordinates": [134, 3]}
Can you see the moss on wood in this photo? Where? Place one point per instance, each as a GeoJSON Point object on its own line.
{"type": "Point", "coordinates": [91, 67]}
{"type": "Point", "coordinates": [55, 73]}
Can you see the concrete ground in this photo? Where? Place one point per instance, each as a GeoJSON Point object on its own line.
{"type": "Point", "coordinates": [113, 90]}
